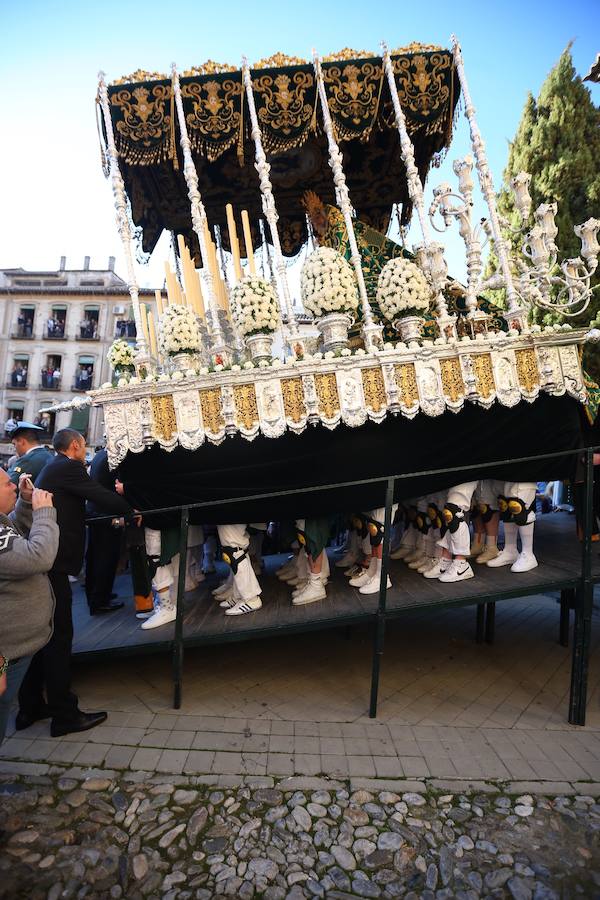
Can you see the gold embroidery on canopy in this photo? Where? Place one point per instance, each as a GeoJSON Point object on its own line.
{"type": "Point", "coordinates": [293, 399]}
{"type": "Point", "coordinates": [452, 380]}
{"type": "Point", "coordinates": [144, 123]}
{"type": "Point", "coordinates": [246, 410]}
{"type": "Point", "coordinates": [326, 388]}
{"type": "Point", "coordinates": [527, 369]}
{"type": "Point", "coordinates": [163, 416]}
{"type": "Point", "coordinates": [212, 410]}
{"type": "Point", "coordinates": [482, 363]}
{"type": "Point", "coordinates": [406, 378]}
{"type": "Point", "coordinates": [374, 389]}
{"type": "Point", "coordinates": [283, 110]}
{"type": "Point", "coordinates": [214, 121]}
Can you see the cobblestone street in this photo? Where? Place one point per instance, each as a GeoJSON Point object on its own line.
{"type": "Point", "coordinates": [136, 837]}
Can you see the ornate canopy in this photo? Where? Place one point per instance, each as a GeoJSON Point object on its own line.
{"type": "Point", "coordinates": [147, 137]}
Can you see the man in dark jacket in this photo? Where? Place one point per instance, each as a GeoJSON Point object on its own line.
{"type": "Point", "coordinates": [67, 479]}
{"type": "Point", "coordinates": [104, 546]}
{"type": "Point", "coordinates": [31, 456]}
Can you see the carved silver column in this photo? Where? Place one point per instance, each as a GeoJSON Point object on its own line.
{"type": "Point", "coordinates": [371, 331]}
{"type": "Point", "coordinates": [123, 222]}
{"type": "Point", "coordinates": [433, 257]}
{"type": "Point", "coordinates": [270, 210]}
{"type": "Point", "coordinates": [516, 314]}
{"type": "Point", "coordinates": [199, 220]}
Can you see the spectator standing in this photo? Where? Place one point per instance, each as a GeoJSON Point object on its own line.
{"type": "Point", "coordinates": [28, 545]}
{"type": "Point", "coordinates": [67, 478]}
{"type": "Point", "coordinates": [31, 457]}
{"type": "Point", "coordinates": [104, 545]}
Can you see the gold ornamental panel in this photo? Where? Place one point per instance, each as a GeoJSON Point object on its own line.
{"type": "Point", "coordinates": [329, 401]}
{"type": "Point", "coordinates": [163, 416]}
{"type": "Point", "coordinates": [246, 410]}
{"type": "Point", "coordinates": [452, 380]}
{"type": "Point", "coordinates": [374, 389]}
{"type": "Point", "coordinates": [406, 378]}
{"type": "Point", "coordinates": [482, 364]}
{"type": "Point", "coordinates": [212, 410]}
{"type": "Point", "coordinates": [527, 369]}
{"type": "Point", "coordinates": [293, 399]}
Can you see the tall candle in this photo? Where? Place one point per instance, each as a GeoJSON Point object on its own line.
{"type": "Point", "coordinates": [144, 313]}
{"type": "Point", "coordinates": [152, 330]}
{"type": "Point", "coordinates": [233, 240]}
{"type": "Point", "coordinates": [248, 241]}
{"type": "Point", "coordinates": [159, 302]}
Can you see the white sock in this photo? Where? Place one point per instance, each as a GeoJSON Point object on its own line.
{"type": "Point", "coordinates": [510, 536]}
{"type": "Point", "coordinates": [526, 535]}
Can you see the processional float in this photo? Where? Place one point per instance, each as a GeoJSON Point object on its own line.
{"type": "Point", "coordinates": [356, 133]}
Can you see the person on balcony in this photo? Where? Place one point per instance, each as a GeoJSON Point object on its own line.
{"type": "Point", "coordinates": [31, 456]}
{"type": "Point", "coordinates": [50, 326]}
{"type": "Point", "coordinates": [55, 378]}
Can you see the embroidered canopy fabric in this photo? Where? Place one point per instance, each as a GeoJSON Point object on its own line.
{"type": "Point", "coordinates": [147, 137]}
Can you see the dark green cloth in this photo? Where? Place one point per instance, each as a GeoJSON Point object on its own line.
{"type": "Point", "coordinates": [318, 532]}
{"type": "Point", "coordinates": [31, 463]}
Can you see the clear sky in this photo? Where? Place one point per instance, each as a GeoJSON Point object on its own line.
{"type": "Point", "coordinates": [55, 200]}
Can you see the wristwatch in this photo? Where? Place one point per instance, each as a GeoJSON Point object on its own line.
{"type": "Point", "coordinates": [4, 666]}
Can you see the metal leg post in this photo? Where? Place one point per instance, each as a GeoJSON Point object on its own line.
{"type": "Point", "coordinates": [583, 606]}
{"type": "Point", "coordinates": [480, 623]}
{"type": "Point", "coordinates": [490, 622]}
{"type": "Point", "coordinates": [178, 642]}
{"type": "Point", "coordinates": [566, 605]}
{"type": "Point", "coordinates": [380, 619]}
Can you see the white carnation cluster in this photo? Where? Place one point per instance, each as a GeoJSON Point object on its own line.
{"type": "Point", "coordinates": [120, 354]}
{"type": "Point", "coordinates": [179, 331]}
{"type": "Point", "coordinates": [254, 306]}
{"type": "Point", "coordinates": [327, 284]}
{"type": "Point", "coordinates": [402, 289]}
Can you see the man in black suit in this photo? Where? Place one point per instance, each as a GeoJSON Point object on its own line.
{"type": "Point", "coordinates": [51, 667]}
{"type": "Point", "coordinates": [104, 545]}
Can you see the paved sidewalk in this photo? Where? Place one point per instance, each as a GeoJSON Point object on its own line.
{"type": "Point", "coordinates": [449, 709]}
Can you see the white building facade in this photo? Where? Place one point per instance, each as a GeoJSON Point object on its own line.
{"type": "Point", "coordinates": [56, 328]}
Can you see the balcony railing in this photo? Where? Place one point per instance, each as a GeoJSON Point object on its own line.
{"type": "Point", "coordinates": [125, 329]}
{"type": "Point", "coordinates": [15, 385]}
{"type": "Point", "coordinates": [82, 384]}
{"type": "Point", "coordinates": [23, 331]}
{"type": "Point", "coordinates": [50, 383]}
{"type": "Point", "coordinates": [88, 332]}
{"type": "Point", "coordinates": [54, 334]}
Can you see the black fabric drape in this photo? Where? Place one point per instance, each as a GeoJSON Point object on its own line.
{"type": "Point", "coordinates": [240, 468]}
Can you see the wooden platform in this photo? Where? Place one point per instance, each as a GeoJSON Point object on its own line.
{"type": "Point", "coordinates": [557, 549]}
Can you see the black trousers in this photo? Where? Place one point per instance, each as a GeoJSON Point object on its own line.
{"type": "Point", "coordinates": [50, 668]}
{"type": "Point", "coordinates": [101, 561]}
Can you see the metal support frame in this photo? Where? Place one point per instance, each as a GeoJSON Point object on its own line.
{"type": "Point", "coordinates": [490, 622]}
{"type": "Point", "coordinates": [178, 641]}
{"type": "Point", "coordinates": [567, 603]}
{"type": "Point", "coordinates": [584, 599]}
{"type": "Point", "coordinates": [480, 623]}
{"type": "Point", "coordinates": [380, 616]}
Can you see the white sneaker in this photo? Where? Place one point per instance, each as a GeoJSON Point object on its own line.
{"type": "Point", "coordinates": [244, 606]}
{"type": "Point", "coordinates": [488, 554]}
{"type": "Point", "coordinates": [427, 563]}
{"type": "Point", "coordinates": [295, 580]}
{"type": "Point", "coordinates": [348, 559]}
{"type": "Point", "coordinates": [401, 552]}
{"type": "Point", "coordinates": [144, 615]}
{"type": "Point", "coordinates": [438, 568]}
{"type": "Point", "coordinates": [458, 570]}
{"type": "Point", "coordinates": [225, 598]}
{"type": "Point", "coordinates": [299, 587]}
{"type": "Point", "coordinates": [161, 616]}
{"type": "Point", "coordinates": [314, 590]}
{"type": "Point", "coordinates": [223, 588]}
{"type": "Point", "coordinates": [416, 562]}
{"type": "Point", "coordinates": [414, 554]}
{"type": "Point", "coordinates": [505, 558]}
{"type": "Point", "coordinates": [372, 585]}
{"type": "Point", "coordinates": [353, 571]}
{"type": "Point", "coordinates": [290, 576]}
{"type": "Point", "coordinates": [228, 602]}
{"type": "Point", "coordinates": [361, 579]}
{"type": "Point", "coordinates": [524, 563]}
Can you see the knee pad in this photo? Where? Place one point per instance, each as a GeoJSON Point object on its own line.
{"type": "Point", "coordinates": [453, 516]}
{"type": "Point", "coordinates": [515, 510]}
{"type": "Point", "coordinates": [233, 556]}
{"type": "Point", "coordinates": [422, 522]}
{"type": "Point", "coordinates": [375, 531]}
{"type": "Point", "coordinates": [434, 515]}
{"type": "Point", "coordinates": [485, 511]}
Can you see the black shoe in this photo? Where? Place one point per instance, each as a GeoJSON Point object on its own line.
{"type": "Point", "coordinates": [25, 719]}
{"type": "Point", "coordinates": [80, 722]}
{"type": "Point", "coordinates": [106, 608]}
{"type": "Point", "coordinates": [113, 596]}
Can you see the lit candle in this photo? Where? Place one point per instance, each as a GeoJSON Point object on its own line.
{"type": "Point", "coordinates": [248, 241]}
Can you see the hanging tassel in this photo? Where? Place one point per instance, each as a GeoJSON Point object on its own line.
{"type": "Point", "coordinates": [240, 145]}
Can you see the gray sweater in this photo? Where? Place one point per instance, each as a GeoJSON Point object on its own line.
{"type": "Point", "coordinates": [28, 545]}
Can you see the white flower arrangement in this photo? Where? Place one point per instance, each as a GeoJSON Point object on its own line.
{"type": "Point", "coordinates": [120, 355]}
{"type": "Point", "coordinates": [178, 331]}
{"type": "Point", "coordinates": [402, 289]}
{"type": "Point", "coordinates": [327, 284]}
{"type": "Point", "coordinates": [254, 306]}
